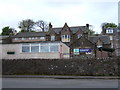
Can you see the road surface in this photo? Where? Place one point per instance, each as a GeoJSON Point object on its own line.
{"type": "Point", "coordinates": [58, 83]}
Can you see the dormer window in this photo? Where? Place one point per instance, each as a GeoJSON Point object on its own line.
{"type": "Point", "coordinates": [65, 38]}
{"type": "Point", "coordinates": [52, 38]}
{"type": "Point", "coordinates": [109, 30]}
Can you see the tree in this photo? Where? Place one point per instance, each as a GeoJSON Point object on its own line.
{"type": "Point", "coordinates": [7, 31]}
{"type": "Point", "coordinates": [110, 25]}
{"type": "Point", "coordinates": [26, 25]}
{"type": "Point", "coordinates": [91, 32]}
{"type": "Point", "coordinates": [42, 25]}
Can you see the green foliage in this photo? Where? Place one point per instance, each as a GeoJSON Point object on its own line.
{"type": "Point", "coordinates": [110, 25]}
{"type": "Point", "coordinates": [91, 32]}
{"type": "Point", "coordinates": [23, 31]}
{"type": "Point", "coordinates": [106, 25]}
{"type": "Point", "coordinates": [7, 31]}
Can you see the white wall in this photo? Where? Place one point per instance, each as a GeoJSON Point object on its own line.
{"type": "Point", "coordinates": [17, 48]}
{"type": "Point", "coordinates": [65, 51]}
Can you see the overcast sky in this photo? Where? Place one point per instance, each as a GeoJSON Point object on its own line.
{"type": "Point", "coordinates": [74, 12]}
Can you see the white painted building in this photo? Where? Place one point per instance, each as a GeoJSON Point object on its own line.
{"type": "Point", "coordinates": [46, 50]}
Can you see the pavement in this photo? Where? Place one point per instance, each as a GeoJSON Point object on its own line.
{"type": "Point", "coordinates": [60, 77]}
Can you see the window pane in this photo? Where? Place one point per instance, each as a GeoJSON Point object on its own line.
{"type": "Point", "coordinates": [42, 38]}
{"type": "Point", "coordinates": [65, 36]}
{"type": "Point", "coordinates": [52, 38]}
{"type": "Point", "coordinates": [54, 48]}
{"type": "Point", "coordinates": [44, 48]}
{"type": "Point", "coordinates": [34, 48]}
{"type": "Point", "coordinates": [25, 49]}
{"type": "Point", "coordinates": [44, 44]}
{"type": "Point", "coordinates": [34, 44]}
{"type": "Point", "coordinates": [53, 43]}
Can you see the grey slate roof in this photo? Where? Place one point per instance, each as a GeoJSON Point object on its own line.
{"type": "Point", "coordinates": [3, 37]}
{"type": "Point", "coordinates": [104, 38]}
{"type": "Point", "coordinates": [74, 29]}
{"type": "Point", "coordinates": [57, 31]}
{"type": "Point", "coordinates": [30, 34]}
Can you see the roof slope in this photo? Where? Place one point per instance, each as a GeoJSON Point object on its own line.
{"type": "Point", "coordinates": [30, 34]}
{"type": "Point", "coordinates": [104, 38]}
{"type": "Point", "coordinates": [74, 29]}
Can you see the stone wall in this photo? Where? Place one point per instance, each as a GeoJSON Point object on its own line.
{"type": "Point", "coordinates": [89, 67]}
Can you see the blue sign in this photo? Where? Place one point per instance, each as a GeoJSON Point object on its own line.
{"type": "Point", "coordinates": [85, 50]}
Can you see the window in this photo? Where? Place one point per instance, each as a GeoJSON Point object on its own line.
{"type": "Point", "coordinates": [26, 48]}
{"type": "Point", "coordinates": [36, 37]}
{"type": "Point", "coordinates": [16, 38]}
{"type": "Point", "coordinates": [33, 38]}
{"type": "Point", "coordinates": [52, 38]}
{"type": "Point", "coordinates": [98, 46]}
{"type": "Point", "coordinates": [29, 38]}
{"type": "Point", "coordinates": [79, 35]}
{"type": "Point", "coordinates": [44, 47]}
{"type": "Point", "coordinates": [23, 38]}
{"type": "Point", "coordinates": [111, 45]}
{"type": "Point", "coordinates": [118, 30]}
{"type": "Point", "coordinates": [111, 37]}
{"type": "Point", "coordinates": [109, 30]}
{"type": "Point", "coordinates": [34, 47]}
{"type": "Point", "coordinates": [54, 48]}
{"type": "Point", "coordinates": [65, 38]}
{"type": "Point", "coordinates": [42, 38]}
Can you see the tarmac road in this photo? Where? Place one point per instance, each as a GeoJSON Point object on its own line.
{"type": "Point", "coordinates": [58, 83]}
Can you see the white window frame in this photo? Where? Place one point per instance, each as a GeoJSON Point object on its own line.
{"type": "Point", "coordinates": [53, 38]}
{"type": "Point", "coordinates": [65, 38]}
{"type": "Point", "coordinates": [30, 38]}
{"type": "Point", "coordinates": [33, 38]}
{"type": "Point", "coordinates": [16, 39]}
{"type": "Point", "coordinates": [38, 44]}
{"type": "Point", "coordinates": [42, 38]}
{"type": "Point", "coordinates": [32, 45]}
{"type": "Point", "coordinates": [109, 30]}
{"type": "Point", "coordinates": [111, 37]}
{"type": "Point", "coordinates": [22, 38]}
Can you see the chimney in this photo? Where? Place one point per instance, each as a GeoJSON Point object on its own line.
{"type": "Point", "coordinates": [87, 27]}
{"type": "Point", "coordinates": [86, 31]}
{"type": "Point", "coordinates": [50, 26]}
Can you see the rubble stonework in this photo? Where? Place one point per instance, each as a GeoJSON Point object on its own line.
{"type": "Point", "coordinates": [89, 67]}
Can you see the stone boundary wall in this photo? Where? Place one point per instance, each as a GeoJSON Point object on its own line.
{"type": "Point", "coordinates": [84, 67]}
